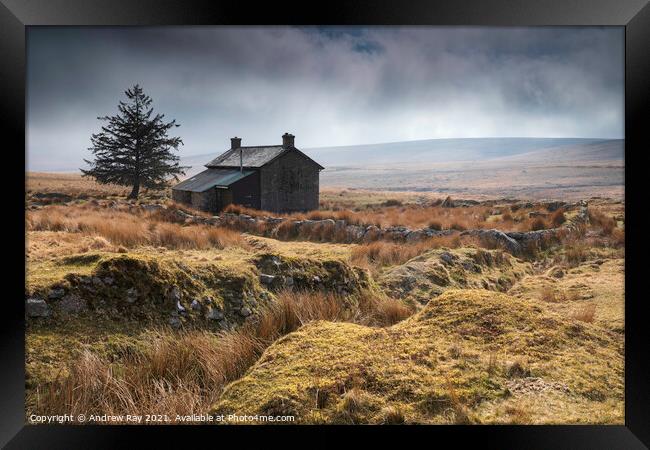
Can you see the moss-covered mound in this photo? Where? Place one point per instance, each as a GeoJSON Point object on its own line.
{"type": "Point", "coordinates": [328, 274]}
{"type": "Point", "coordinates": [428, 275]}
{"type": "Point", "coordinates": [154, 290]}
{"type": "Point", "coordinates": [176, 291]}
{"type": "Point", "coordinates": [468, 356]}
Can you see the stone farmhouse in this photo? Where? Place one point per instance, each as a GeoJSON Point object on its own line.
{"type": "Point", "coordinates": [276, 178]}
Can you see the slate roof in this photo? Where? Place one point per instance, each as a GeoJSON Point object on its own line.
{"type": "Point", "coordinates": [210, 178]}
{"type": "Point", "coordinates": [253, 156]}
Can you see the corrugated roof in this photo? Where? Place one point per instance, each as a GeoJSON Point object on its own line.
{"type": "Point", "coordinates": [210, 178]}
{"type": "Point", "coordinates": [252, 156]}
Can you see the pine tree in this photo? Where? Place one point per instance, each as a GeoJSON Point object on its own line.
{"type": "Point", "coordinates": [133, 149]}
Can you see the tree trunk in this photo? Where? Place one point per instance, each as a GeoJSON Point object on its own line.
{"type": "Point", "coordinates": [135, 191]}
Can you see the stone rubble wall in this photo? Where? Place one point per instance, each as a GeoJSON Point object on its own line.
{"type": "Point", "coordinates": [513, 241]}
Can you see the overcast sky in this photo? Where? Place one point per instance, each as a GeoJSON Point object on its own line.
{"type": "Point", "coordinates": [328, 85]}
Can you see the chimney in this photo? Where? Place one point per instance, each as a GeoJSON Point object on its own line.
{"type": "Point", "coordinates": [235, 142]}
{"type": "Point", "coordinates": [287, 140]}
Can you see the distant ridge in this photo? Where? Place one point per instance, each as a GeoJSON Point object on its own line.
{"type": "Point", "coordinates": [440, 150]}
{"type": "Point", "coordinates": [453, 150]}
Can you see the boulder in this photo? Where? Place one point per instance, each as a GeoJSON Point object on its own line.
{"type": "Point", "coordinates": [36, 307]}
{"type": "Point", "coordinates": [448, 258]}
{"type": "Point", "coordinates": [56, 293]}
{"type": "Point", "coordinates": [269, 264]}
{"type": "Point", "coordinates": [195, 305]}
{"type": "Point", "coordinates": [174, 294]}
{"type": "Point", "coordinates": [267, 279]}
{"type": "Point", "coordinates": [175, 321]}
{"type": "Point", "coordinates": [214, 314]}
{"type": "Point", "coordinates": [131, 295]}
{"type": "Point", "coordinates": [245, 312]}
{"type": "Point", "coordinates": [355, 232]}
{"type": "Point", "coordinates": [496, 237]}
{"type": "Point", "coordinates": [72, 304]}
{"type": "Point", "coordinates": [153, 207]}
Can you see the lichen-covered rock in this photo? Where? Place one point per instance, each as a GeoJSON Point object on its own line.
{"type": "Point", "coordinates": [71, 304]}
{"type": "Point", "coordinates": [214, 314]}
{"type": "Point", "coordinates": [312, 274]}
{"type": "Point", "coordinates": [131, 295]}
{"type": "Point", "coordinates": [37, 307]}
{"type": "Point", "coordinates": [56, 293]}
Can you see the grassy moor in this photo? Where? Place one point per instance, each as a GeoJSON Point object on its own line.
{"type": "Point", "coordinates": [378, 308]}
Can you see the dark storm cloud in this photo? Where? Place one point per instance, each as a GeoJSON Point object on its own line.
{"type": "Point", "coordinates": [327, 85]}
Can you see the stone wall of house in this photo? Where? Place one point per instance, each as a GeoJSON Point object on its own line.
{"type": "Point", "coordinates": [184, 197]}
{"type": "Point", "coordinates": [205, 201]}
{"type": "Point", "coordinates": [290, 183]}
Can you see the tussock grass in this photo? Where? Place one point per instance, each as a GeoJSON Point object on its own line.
{"type": "Point", "coordinates": [606, 223]}
{"type": "Point", "coordinates": [184, 373]}
{"type": "Point", "coordinates": [71, 184]}
{"type": "Point", "coordinates": [407, 366]}
{"type": "Point", "coordinates": [587, 313]}
{"type": "Point", "coordinates": [377, 254]}
{"type": "Point", "coordinates": [130, 229]}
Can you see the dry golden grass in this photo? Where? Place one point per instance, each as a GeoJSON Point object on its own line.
{"type": "Point", "coordinates": [175, 374]}
{"type": "Point", "coordinates": [558, 218]}
{"type": "Point", "coordinates": [131, 229]}
{"type": "Point", "coordinates": [606, 223]}
{"type": "Point", "coordinates": [377, 254]}
{"type": "Point", "coordinates": [183, 373]}
{"type": "Point", "coordinates": [70, 184]}
{"type": "Point", "coordinates": [590, 292]}
{"type": "Point", "coordinates": [550, 295]}
{"type": "Point", "coordinates": [586, 313]}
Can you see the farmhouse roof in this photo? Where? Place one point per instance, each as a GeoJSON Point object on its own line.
{"type": "Point", "coordinates": [212, 178]}
{"type": "Point", "coordinates": [253, 156]}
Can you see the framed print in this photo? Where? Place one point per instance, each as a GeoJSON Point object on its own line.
{"type": "Point", "coordinates": [419, 218]}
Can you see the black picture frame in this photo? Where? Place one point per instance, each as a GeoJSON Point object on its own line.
{"type": "Point", "coordinates": [634, 15]}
